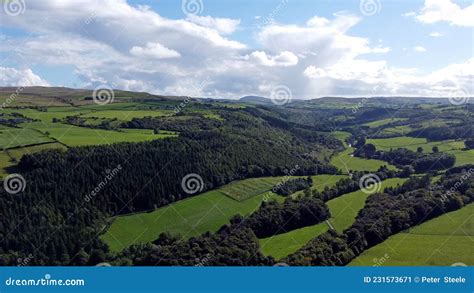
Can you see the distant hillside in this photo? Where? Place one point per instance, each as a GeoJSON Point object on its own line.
{"type": "Point", "coordinates": [256, 100]}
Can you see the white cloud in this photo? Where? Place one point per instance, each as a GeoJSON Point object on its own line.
{"type": "Point", "coordinates": [436, 34]}
{"type": "Point", "coordinates": [154, 50]}
{"type": "Point", "coordinates": [222, 25]}
{"type": "Point", "coordinates": [419, 49]}
{"type": "Point", "coordinates": [409, 14]}
{"type": "Point", "coordinates": [285, 58]}
{"type": "Point", "coordinates": [15, 77]}
{"type": "Point", "coordinates": [135, 48]}
{"type": "Point", "coordinates": [446, 11]}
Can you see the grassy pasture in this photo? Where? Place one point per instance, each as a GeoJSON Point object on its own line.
{"type": "Point", "coordinates": [322, 181]}
{"type": "Point", "coordinates": [413, 143]}
{"type": "Point", "coordinates": [245, 189]}
{"type": "Point", "coordinates": [15, 137]}
{"type": "Point", "coordinates": [345, 208]}
{"type": "Point", "coordinates": [127, 115]}
{"type": "Point", "coordinates": [346, 162]}
{"type": "Point", "coordinates": [281, 245]}
{"type": "Point", "coordinates": [442, 241]}
{"type": "Point", "coordinates": [19, 152]}
{"type": "Point", "coordinates": [463, 157]}
{"type": "Point", "coordinates": [384, 121]}
{"type": "Point", "coordinates": [80, 136]}
{"type": "Point", "coordinates": [189, 217]}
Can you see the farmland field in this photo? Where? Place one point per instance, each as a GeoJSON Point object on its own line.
{"type": "Point", "coordinates": [442, 241]}
{"type": "Point", "coordinates": [322, 181]}
{"type": "Point", "coordinates": [463, 157]}
{"type": "Point", "coordinates": [15, 137]}
{"type": "Point", "coordinates": [72, 135]}
{"type": "Point", "coordinates": [127, 115]}
{"type": "Point", "coordinates": [384, 121]}
{"type": "Point", "coordinates": [282, 245]}
{"type": "Point", "coordinates": [345, 208]}
{"type": "Point", "coordinates": [189, 217]}
{"type": "Point", "coordinates": [412, 144]}
{"type": "Point", "coordinates": [346, 162]}
{"type": "Point", "coordinates": [245, 189]}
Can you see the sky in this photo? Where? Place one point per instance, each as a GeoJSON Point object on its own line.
{"type": "Point", "coordinates": [229, 49]}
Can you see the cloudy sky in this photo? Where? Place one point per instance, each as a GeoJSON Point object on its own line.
{"type": "Point", "coordinates": [228, 49]}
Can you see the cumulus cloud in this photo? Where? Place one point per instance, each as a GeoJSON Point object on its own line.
{"type": "Point", "coordinates": [436, 34]}
{"type": "Point", "coordinates": [15, 77]}
{"type": "Point", "coordinates": [222, 25]}
{"type": "Point", "coordinates": [419, 49]}
{"type": "Point", "coordinates": [135, 48]}
{"type": "Point", "coordinates": [285, 58]}
{"type": "Point", "coordinates": [446, 11]}
{"type": "Point", "coordinates": [154, 50]}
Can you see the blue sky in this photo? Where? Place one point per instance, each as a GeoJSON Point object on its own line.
{"type": "Point", "coordinates": [233, 48]}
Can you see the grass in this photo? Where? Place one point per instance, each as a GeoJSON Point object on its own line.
{"type": "Point", "coordinates": [442, 241]}
{"type": "Point", "coordinates": [80, 136]}
{"type": "Point", "coordinates": [282, 245]}
{"type": "Point", "coordinates": [463, 157]}
{"type": "Point", "coordinates": [188, 218]}
{"type": "Point", "coordinates": [411, 143]}
{"type": "Point", "coordinates": [5, 161]}
{"type": "Point", "coordinates": [345, 208]}
{"type": "Point", "coordinates": [19, 152]}
{"type": "Point", "coordinates": [128, 115]}
{"type": "Point", "coordinates": [15, 137]}
{"type": "Point", "coordinates": [346, 162]}
{"type": "Point", "coordinates": [384, 121]}
{"type": "Point", "coordinates": [244, 189]}
{"type": "Point", "coordinates": [320, 182]}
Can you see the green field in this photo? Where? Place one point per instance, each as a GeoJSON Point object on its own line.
{"type": "Point", "coordinates": [245, 189]}
{"type": "Point", "coordinates": [322, 181]}
{"type": "Point", "coordinates": [345, 208]}
{"type": "Point", "coordinates": [411, 143]}
{"type": "Point", "coordinates": [189, 217]}
{"type": "Point", "coordinates": [17, 153]}
{"type": "Point", "coordinates": [384, 121]}
{"type": "Point", "coordinates": [346, 162]}
{"type": "Point", "coordinates": [15, 137]}
{"type": "Point", "coordinates": [127, 115]}
{"type": "Point", "coordinates": [80, 136]}
{"type": "Point", "coordinates": [281, 245]}
{"type": "Point", "coordinates": [463, 157]}
{"type": "Point", "coordinates": [443, 241]}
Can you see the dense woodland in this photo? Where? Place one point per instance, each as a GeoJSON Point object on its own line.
{"type": "Point", "coordinates": [71, 195]}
